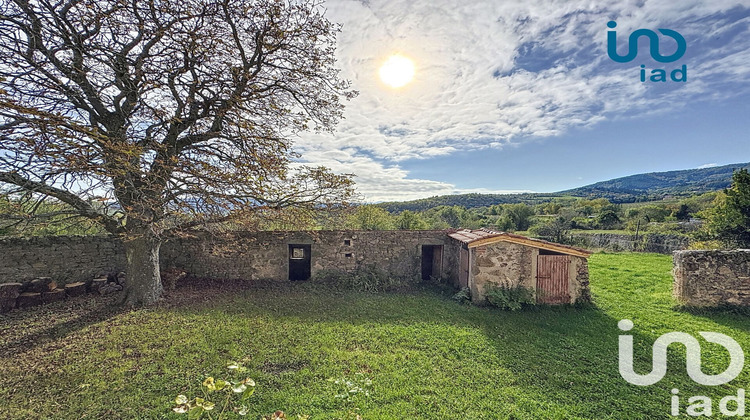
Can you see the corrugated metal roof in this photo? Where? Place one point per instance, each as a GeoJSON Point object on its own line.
{"type": "Point", "coordinates": [485, 236]}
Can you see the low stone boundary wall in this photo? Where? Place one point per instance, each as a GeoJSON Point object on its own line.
{"type": "Point", "coordinates": [59, 262]}
{"type": "Point", "coordinates": [712, 278]}
{"type": "Point", "coordinates": [241, 255]}
{"type": "Point", "coordinates": [265, 255]}
{"type": "Point", "coordinates": [648, 242]}
{"type": "Point", "coordinates": [66, 259]}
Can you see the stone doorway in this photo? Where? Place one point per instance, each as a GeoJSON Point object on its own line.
{"type": "Point", "coordinates": [432, 261]}
{"type": "Point", "coordinates": [299, 262]}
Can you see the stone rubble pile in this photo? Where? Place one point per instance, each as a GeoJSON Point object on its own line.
{"type": "Point", "coordinates": [112, 284]}
{"type": "Point", "coordinates": [43, 290]}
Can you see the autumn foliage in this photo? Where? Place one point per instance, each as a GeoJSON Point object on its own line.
{"type": "Point", "coordinates": [153, 117]}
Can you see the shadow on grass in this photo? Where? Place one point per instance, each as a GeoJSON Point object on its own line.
{"type": "Point", "coordinates": [737, 317]}
{"type": "Point", "coordinates": [567, 360]}
{"type": "Point", "coordinates": [25, 330]}
{"type": "Point", "coordinates": [437, 358]}
{"type": "Point", "coordinates": [560, 360]}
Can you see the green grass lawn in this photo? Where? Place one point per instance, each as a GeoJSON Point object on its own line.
{"type": "Point", "coordinates": [427, 356]}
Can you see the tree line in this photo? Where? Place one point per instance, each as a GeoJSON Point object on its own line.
{"type": "Point", "coordinates": [716, 219]}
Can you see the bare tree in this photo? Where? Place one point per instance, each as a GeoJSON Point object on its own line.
{"type": "Point", "coordinates": [151, 116]}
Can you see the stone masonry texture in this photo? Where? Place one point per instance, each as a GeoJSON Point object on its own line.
{"type": "Point", "coordinates": [712, 278]}
{"type": "Point", "coordinates": [510, 265]}
{"type": "Point", "coordinates": [244, 255]}
{"type": "Point", "coordinates": [65, 259]}
{"type": "Point", "coordinates": [265, 256]}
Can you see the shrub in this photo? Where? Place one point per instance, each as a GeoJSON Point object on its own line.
{"type": "Point", "coordinates": [665, 228]}
{"type": "Point", "coordinates": [509, 298]}
{"type": "Point", "coordinates": [463, 296]}
{"type": "Point", "coordinates": [368, 279]}
{"type": "Point", "coordinates": [708, 245]}
{"type": "Point", "coordinates": [729, 220]}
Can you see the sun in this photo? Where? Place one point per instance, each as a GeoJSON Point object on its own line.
{"type": "Point", "coordinates": [397, 71]}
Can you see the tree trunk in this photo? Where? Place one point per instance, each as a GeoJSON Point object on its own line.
{"type": "Point", "coordinates": [142, 281]}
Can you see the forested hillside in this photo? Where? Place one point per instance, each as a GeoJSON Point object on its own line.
{"type": "Point", "coordinates": [656, 185]}
{"type": "Point", "coordinates": [466, 200]}
{"type": "Point", "coordinates": [634, 188]}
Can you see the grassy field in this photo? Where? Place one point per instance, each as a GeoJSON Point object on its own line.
{"type": "Point", "coordinates": [426, 356]}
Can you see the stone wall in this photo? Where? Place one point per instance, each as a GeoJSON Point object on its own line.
{"type": "Point", "coordinates": [265, 255]}
{"type": "Point", "coordinates": [250, 256]}
{"type": "Point", "coordinates": [66, 259]}
{"type": "Point", "coordinates": [712, 278]}
{"type": "Point", "coordinates": [648, 242]}
{"type": "Point", "coordinates": [580, 290]}
{"type": "Point", "coordinates": [501, 264]}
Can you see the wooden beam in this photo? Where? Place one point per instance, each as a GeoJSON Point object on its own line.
{"type": "Point", "coordinates": [532, 243]}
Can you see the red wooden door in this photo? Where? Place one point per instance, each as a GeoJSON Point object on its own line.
{"type": "Point", "coordinates": [552, 279]}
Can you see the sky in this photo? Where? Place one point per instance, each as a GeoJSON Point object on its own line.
{"type": "Point", "coordinates": [522, 96]}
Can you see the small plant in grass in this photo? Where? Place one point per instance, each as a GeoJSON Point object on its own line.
{"type": "Point", "coordinates": [352, 388]}
{"type": "Point", "coordinates": [463, 296]}
{"type": "Point", "coordinates": [220, 396]}
{"type": "Point", "coordinates": [351, 391]}
{"type": "Point", "coordinates": [512, 298]}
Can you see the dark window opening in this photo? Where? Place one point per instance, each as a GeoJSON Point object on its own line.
{"type": "Point", "coordinates": [348, 255]}
{"type": "Point", "coordinates": [548, 252]}
{"type": "Point", "coordinates": [347, 242]}
{"type": "Point", "coordinates": [432, 261]}
{"type": "Point", "coordinates": [299, 262]}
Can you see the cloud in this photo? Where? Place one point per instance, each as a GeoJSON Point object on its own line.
{"type": "Point", "coordinates": [491, 74]}
{"type": "Point", "coordinates": [378, 182]}
{"type": "Point", "coordinates": [708, 165]}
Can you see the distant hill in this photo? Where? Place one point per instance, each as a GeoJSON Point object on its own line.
{"type": "Point", "coordinates": [656, 185]}
{"type": "Point", "coordinates": [641, 187]}
{"type": "Point", "coordinates": [466, 200]}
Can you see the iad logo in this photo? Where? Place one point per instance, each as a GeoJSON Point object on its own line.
{"type": "Point", "coordinates": [699, 405]}
{"type": "Point", "coordinates": [693, 359]}
{"type": "Point", "coordinates": [653, 40]}
{"type": "Point", "coordinates": [657, 75]}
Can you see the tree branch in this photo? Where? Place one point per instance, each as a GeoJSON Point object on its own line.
{"type": "Point", "coordinates": [84, 209]}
